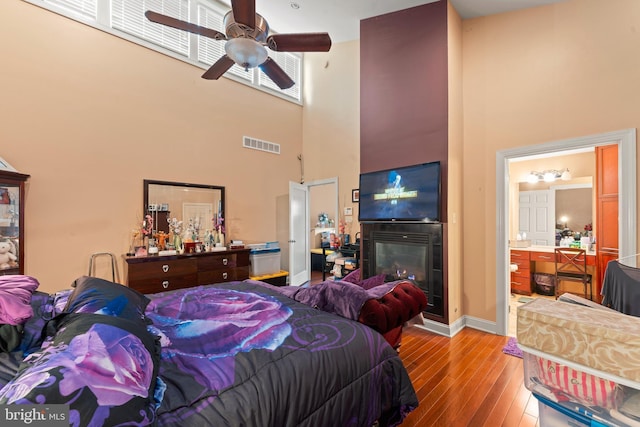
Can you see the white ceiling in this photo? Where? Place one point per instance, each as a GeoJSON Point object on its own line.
{"type": "Point", "coordinates": [341, 18]}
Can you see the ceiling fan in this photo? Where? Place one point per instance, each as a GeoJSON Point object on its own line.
{"type": "Point", "coordinates": [247, 34]}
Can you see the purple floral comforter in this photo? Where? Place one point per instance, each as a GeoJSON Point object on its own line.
{"type": "Point", "coordinates": [241, 354]}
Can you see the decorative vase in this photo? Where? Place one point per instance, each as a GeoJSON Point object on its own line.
{"type": "Point", "coordinates": [177, 243]}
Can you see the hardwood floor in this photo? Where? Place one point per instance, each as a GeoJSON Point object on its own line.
{"type": "Point", "coordinates": [465, 381]}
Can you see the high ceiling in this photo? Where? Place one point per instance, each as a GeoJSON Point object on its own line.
{"type": "Point", "coordinates": [341, 19]}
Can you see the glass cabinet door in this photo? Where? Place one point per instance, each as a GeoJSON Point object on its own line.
{"type": "Point", "coordinates": [12, 193]}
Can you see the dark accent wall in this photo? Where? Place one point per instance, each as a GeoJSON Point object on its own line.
{"type": "Point", "coordinates": [403, 89]}
{"type": "Point", "coordinates": [404, 97]}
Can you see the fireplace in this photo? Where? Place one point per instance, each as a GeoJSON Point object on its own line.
{"type": "Point", "coordinates": [407, 251]}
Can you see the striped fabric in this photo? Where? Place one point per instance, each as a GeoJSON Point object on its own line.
{"type": "Point", "coordinates": [586, 388]}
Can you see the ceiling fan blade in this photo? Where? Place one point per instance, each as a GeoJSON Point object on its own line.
{"type": "Point", "coordinates": [277, 74]}
{"type": "Point", "coordinates": [301, 42]}
{"type": "Point", "coordinates": [244, 12]}
{"type": "Point", "coordinates": [182, 25]}
{"type": "Point", "coordinates": [218, 68]}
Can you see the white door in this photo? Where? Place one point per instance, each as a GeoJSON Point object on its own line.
{"type": "Point", "coordinates": [299, 258]}
{"type": "Point", "coordinates": [537, 216]}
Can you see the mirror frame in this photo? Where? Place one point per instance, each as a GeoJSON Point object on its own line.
{"type": "Point", "coordinates": [147, 182]}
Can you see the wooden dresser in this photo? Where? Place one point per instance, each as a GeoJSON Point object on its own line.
{"type": "Point", "coordinates": [153, 274]}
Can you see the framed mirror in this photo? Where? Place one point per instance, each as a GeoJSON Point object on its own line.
{"type": "Point", "coordinates": [185, 202]}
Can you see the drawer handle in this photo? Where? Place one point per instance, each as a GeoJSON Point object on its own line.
{"type": "Point", "coordinates": [165, 267]}
{"type": "Point", "coordinates": [165, 284]}
{"type": "Point", "coordinates": [544, 257]}
{"type": "Point", "coordinates": [224, 275]}
{"type": "Point", "coordinates": [224, 261]}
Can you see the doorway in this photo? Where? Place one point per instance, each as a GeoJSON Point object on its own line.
{"type": "Point", "coordinates": [627, 231]}
{"type": "Point", "coordinates": [320, 194]}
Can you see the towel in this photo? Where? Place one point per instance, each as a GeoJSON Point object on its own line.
{"type": "Point", "coordinates": [15, 298]}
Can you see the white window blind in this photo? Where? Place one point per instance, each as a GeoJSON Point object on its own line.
{"type": "Point", "coordinates": [291, 65]}
{"type": "Point", "coordinates": [87, 9]}
{"type": "Point", "coordinates": [125, 18]}
{"type": "Point", "coordinates": [209, 50]}
{"type": "Point", "coordinates": [128, 16]}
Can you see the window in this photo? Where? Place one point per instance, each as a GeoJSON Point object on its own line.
{"type": "Point", "coordinates": [125, 18]}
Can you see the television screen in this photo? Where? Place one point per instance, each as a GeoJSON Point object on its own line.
{"type": "Point", "coordinates": [410, 193]}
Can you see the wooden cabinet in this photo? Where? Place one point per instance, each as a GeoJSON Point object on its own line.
{"type": "Point", "coordinates": [521, 278]}
{"type": "Point", "coordinates": [607, 226]}
{"type": "Point", "coordinates": [12, 194]}
{"type": "Point", "coordinates": [153, 274]}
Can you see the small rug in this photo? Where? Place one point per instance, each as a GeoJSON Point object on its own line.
{"type": "Point", "coordinates": [525, 299]}
{"type": "Point", "coordinates": [512, 348]}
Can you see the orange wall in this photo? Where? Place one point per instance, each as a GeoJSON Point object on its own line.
{"type": "Point", "coordinates": [87, 121]}
{"type": "Point", "coordinates": [331, 123]}
{"type": "Point", "coordinates": [454, 165]}
{"type": "Point", "coordinates": [89, 116]}
{"type": "Point", "coordinates": [534, 76]}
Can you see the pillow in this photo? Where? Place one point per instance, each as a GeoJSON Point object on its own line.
{"type": "Point", "coordinates": [15, 298]}
{"type": "Point", "coordinates": [99, 296]}
{"type": "Point", "coordinates": [373, 281]}
{"type": "Point", "coordinates": [43, 311]}
{"type": "Point", "coordinates": [105, 368]}
{"type": "Point", "coordinates": [353, 277]}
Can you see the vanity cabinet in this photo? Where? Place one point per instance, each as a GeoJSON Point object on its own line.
{"type": "Point", "coordinates": [153, 274]}
{"type": "Point", "coordinates": [12, 194]}
{"type": "Point", "coordinates": [521, 278]}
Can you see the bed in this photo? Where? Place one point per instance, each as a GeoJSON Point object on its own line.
{"type": "Point", "coordinates": [229, 354]}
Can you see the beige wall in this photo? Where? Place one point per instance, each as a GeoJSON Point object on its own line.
{"type": "Point", "coordinates": [89, 116]}
{"type": "Point", "coordinates": [454, 164]}
{"type": "Point", "coordinates": [331, 122]}
{"type": "Point", "coordinates": [534, 76]}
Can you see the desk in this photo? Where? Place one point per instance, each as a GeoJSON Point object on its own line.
{"type": "Point", "coordinates": [541, 259]}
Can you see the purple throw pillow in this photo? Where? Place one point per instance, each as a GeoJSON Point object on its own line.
{"type": "Point", "coordinates": [373, 281]}
{"type": "Point", "coordinates": [353, 277]}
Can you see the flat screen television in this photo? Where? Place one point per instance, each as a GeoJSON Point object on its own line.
{"type": "Point", "coordinates": [409, 193]}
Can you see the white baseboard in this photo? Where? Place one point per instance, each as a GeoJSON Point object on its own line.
{"type": "Point", "coordinates": [461, 323]}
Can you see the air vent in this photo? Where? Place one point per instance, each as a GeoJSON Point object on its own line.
{"type": "Point", "coordinates": [258, 144]}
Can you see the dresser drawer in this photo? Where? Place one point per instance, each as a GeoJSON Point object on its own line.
{"type": "Point", "coordinates": [519, 255]}
{"type": "Point", "coordinates": [521, 275]}
{"type": "Point", "coordinates": [217, 262]}
{"type": "Point", "coordinates": [521, 283]}
{"type": "Point", "coordinates": [551, 256]}
{"type": "Point", "coordinates": [152, 285]}
{"type": "Point", "coordinates": [543, 256]}
{"type": "Point", "coordinates": [223, 275]}
{"type": "Point", "coordinates": [162, 268]}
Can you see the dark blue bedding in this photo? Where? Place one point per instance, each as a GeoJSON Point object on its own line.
{"type": "Point", "coordinates": [242, 354]}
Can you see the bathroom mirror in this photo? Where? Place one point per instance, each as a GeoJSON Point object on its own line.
{"type": "Point", "coordinates": [165, 200]}
{"type": "Point", "coordinates": [574, 207]}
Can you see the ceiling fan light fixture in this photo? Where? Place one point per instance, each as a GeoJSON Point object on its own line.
{"type": "Point", "coordinates": [245, 52]}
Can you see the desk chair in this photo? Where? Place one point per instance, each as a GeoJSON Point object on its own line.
{"type": "Point", "coordinates": [571, 266]}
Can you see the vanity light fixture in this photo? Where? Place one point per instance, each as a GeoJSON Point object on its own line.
{"type": "Point", "coordinates": [548, 175]}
